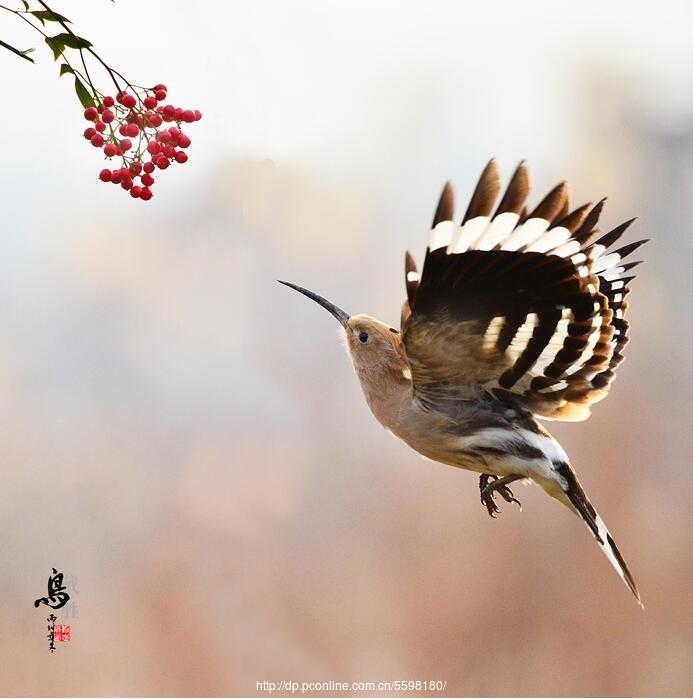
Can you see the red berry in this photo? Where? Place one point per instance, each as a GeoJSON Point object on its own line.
{"type": "Point", "coordinates": [125, 184]}
{"type": "Point", "coordinates": [123, 129]}
{"type": "Point", "coordinates": [147, 179]}
{"type": "Point", "coordinates": [135, 192]}
{"type": "Point", "coordinates": [159, 86]}
{"type": "Point", "coordinates": [88, 133]}
{"type": "Point", "coordinates": [160, 95]}
{"type": "Point", "coordinates": [169, 151]}
{"type": "Point", "coordinates": [108, 101]}
{"type": "Point", "coordinates": [181, 157]}
{"type": "Point", "coordinates": [198, 115]}
{"type": "Point", "coordinates": [125, 145]}
{"type": "Point", "coordinates": [110, 150]}
{"type": "Point", "coordinates": [90, 113]}
{"type": "Point", "coordinates": [162, 162]}
{"type": "Point", "coordinates": [105, 175]}
{"type": "Point", "coordinates": [119, 97]}
{"type": "Point", "coordinates": [128, 101]}
{"type": "Point", "coordinates": [188, 116]}
{"type": "Point", "coordinates": [132, 130]}
{"type": "Point", "coordinates": [163, 136]}
{"type": "Point", "coordinates": [153, 147]}
{"type": "Point", "coordinates": [97, 140]}
{"type": "Point", "coordinates": [107, 116]}
{"type": "Point", "coordinates": [100, 126]}
{"type": "Point", "coordinates": [179, 113]}
{"type": "Point", "coordinates": [148, 168]}
{"type": "Point", "coordinates": [184, 141]}
{"type": "Point", "coordinates": [136, 168]}
{"type": "Point", "coordinates": [115, 176]}
{"type": "Point", "coordinates": [146, 194]}
{"type": "Point", "coordinates": [155, 120]}
{"type": "Point", "coordinates": [175, 131]}
{"type": "Point", "coordinates": [149, 102]}
{"type": "Point", "coordinates": [169, 111]}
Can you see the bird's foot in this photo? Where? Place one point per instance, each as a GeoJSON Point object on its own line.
{"type": "Point", "coordinates": [488, 488]}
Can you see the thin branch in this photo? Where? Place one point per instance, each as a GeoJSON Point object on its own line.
{"type": "Point", "coordinates": [17, 51]}
{"type": "Point", "coordinates": [110, 71]}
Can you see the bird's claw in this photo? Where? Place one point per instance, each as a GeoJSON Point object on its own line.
{"type": "Point", "coordinates": [488, 488]}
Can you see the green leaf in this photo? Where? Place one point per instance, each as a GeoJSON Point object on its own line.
{"type": "Point", "coordinates": [56, 46]}
{"type": "Point", "coordinates": [49, 16]}
{"type": "Point", "coordinates": [21, 54]}
{"type": "Point", "coordinates": [84, 95]}
{"type": "Point", "coordinates": [72, 40]}
{"type": "Point", "coordinates": [64, 68]}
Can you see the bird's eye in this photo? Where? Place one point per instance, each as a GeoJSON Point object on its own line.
{"type": "Point", "coordinates": [363, 338]}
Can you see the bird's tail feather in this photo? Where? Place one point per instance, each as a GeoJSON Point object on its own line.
{"type": "Point", "coordinates": [584, 508]}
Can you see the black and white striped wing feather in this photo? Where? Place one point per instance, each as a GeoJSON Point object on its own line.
{"type": "Point", "coordinates": [525, 305]}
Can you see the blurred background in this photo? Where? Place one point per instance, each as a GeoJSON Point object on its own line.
{"type": "Point", "coordinates": [185, 439]}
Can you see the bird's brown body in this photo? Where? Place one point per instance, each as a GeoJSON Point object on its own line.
{"type": "Point", "coordinates": [438, 434]}
{"type": "Point", "coordinates": [514, 317]}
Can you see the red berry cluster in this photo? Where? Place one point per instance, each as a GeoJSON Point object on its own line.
{"type": "Point", "coordinates": [131, 127]}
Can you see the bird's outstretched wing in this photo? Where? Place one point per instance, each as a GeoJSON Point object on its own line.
{"type": "Point", "coordinates": [525, 305]}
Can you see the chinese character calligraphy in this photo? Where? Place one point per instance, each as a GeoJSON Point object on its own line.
{"type": "Point", "coordinates": [51, 633]}
{"type": "Point", "coordinates": [57, 595]}
{"type": "Point", "coordinates": [58, 598]}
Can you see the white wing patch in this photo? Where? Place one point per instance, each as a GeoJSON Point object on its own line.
{"type": "Point", "coordinates": [498, 230]}
{"type": "Point", "coordinates": [440, 235]}
{"type": "Point", "coordinates": [523, 336]}
{"type": "Point", "coordinates": [467, 234]}
{"type": "Point", "coordinates": [613, 273]}
{"type": "Point", "coordinates": [570, 248]}
{"type": "Point", "coordinates": [528, 232]}
{"type": "Point", "coordinates": [555, 344]}
{"type": "Point", "coordinates": [551, 239]}
{"type": "Point", "coordinates": [589, 348]}
{"type": "Point", "coordinates": [603, 263]}
{"type": "Point", "coordinates": [554, 387]}
{"type": "Point", "coordinates": [492, 332]}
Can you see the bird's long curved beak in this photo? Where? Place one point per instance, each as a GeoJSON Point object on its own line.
{"type": "Point", "coordinates": [337, 312]}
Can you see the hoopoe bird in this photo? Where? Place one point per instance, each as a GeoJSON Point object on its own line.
{"type": "Point", "coordinates": [515, 317]}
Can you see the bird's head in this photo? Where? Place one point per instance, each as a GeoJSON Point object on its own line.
{"type": "Point", "coordinates": [373, 346]}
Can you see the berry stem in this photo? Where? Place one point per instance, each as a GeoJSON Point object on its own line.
{"type": "Point", "coordinates": [21, 14]}
{"type": "Point", "coordinates": [110, 71]}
